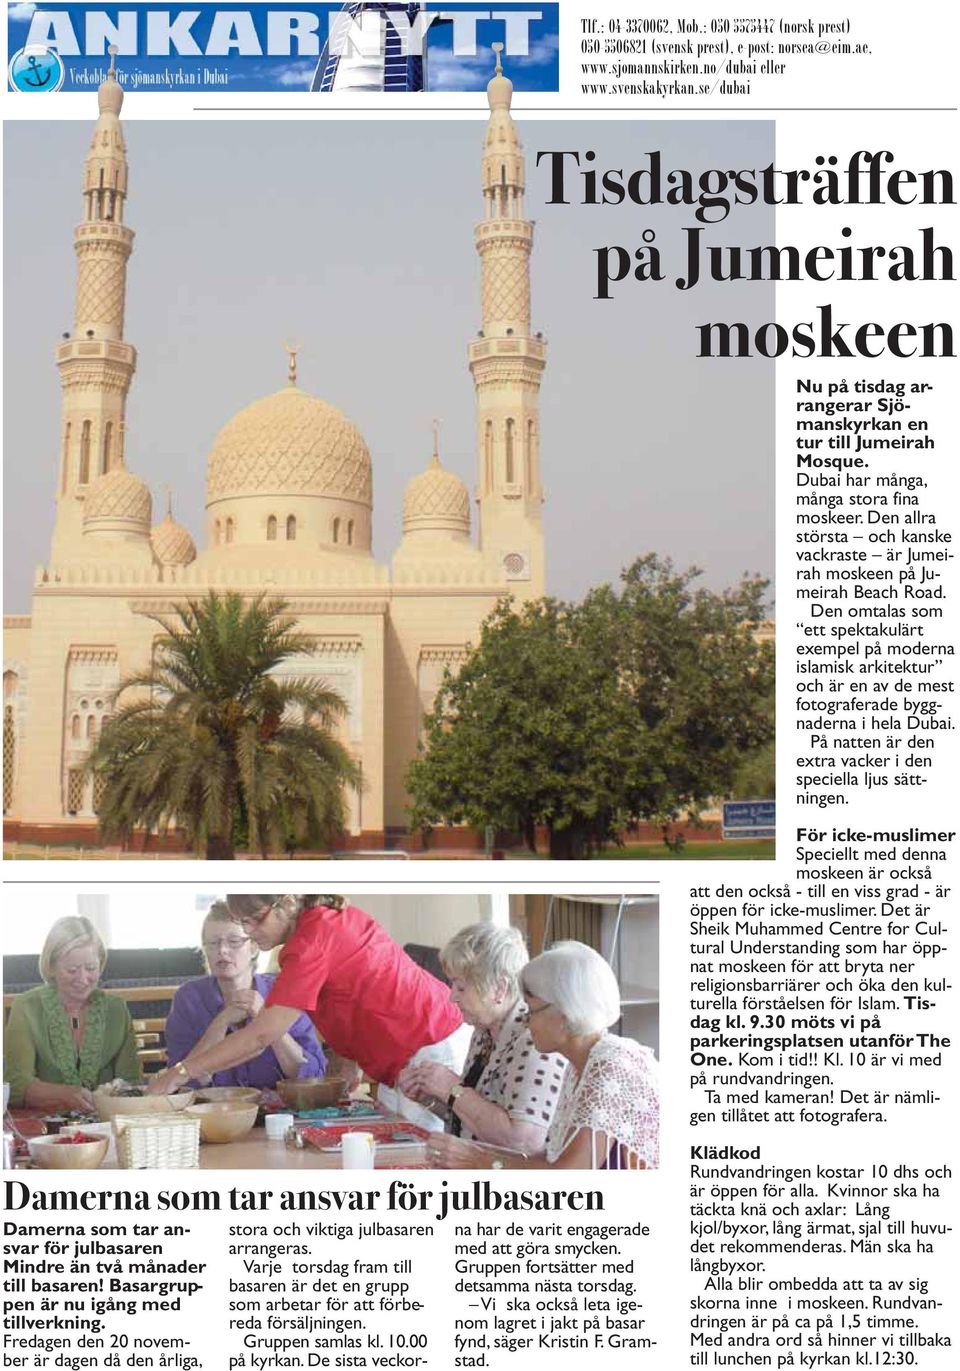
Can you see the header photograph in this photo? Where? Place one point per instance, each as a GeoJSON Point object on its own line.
{"type": "Point", "coordinates": [345, 514]}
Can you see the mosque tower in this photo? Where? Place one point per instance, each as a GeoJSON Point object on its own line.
{"type": "Point", "coordinates": [95, 364]}
{"type": "Point", "coordinates": [507, 361]}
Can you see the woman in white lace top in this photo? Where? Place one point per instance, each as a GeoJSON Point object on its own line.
{"type": "Point", "coordinates": [608, 1113]}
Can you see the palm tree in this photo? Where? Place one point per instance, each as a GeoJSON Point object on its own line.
{"type": "Point", "coordinates": [209, 740]}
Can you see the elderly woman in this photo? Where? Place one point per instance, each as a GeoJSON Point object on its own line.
{"type": "Point", "coordinates": [608, 1112]}
{"type": "Point", "coordinates": [508, 1091]}
{"type": "Point", "coordinates": [370, 1003]}
{"type": "Point", "coordinates": [66, 1037]}
{"type": "Point", "coordinates": [206, 1010]}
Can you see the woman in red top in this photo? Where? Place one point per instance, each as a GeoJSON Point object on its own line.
{"type": "Point", "coordinates": [374, 1007]}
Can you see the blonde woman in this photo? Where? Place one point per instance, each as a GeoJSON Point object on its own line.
{"type": "Point", "coordinates": [66, 1037]}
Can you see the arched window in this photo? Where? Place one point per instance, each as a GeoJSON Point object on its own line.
{"type": "Point", "coordinates": [216, 532]}
{"type": "Point", "coordinates": [75, 788]}
{"type": "Point", "coordinates": [530, 454]}
{"type": "Point", "coordinates": [272, 529]}
{"type": "Point", "coordinates": [291, 527]}
{"type": "Point", "coordinates": [488, 454]}
{"type": "Point", "coordinates": [350, 533]}
{"type": "Point", "coordinates": [84, 476]}
{"type": "Point", "coordinates": [91, 726]}
{"type": "Point", "coordinates": [107, 455]}
{"type": "Point", "coordinates": [75, 726]}
{"type": "Point", "coordinates": [336, 530]}
{"type": "Point", "coordinates": [508, 454]}
{"type": "Point", "coordinates": [66, 459]}
{"type": "Point", "coordinates": [229, 530]}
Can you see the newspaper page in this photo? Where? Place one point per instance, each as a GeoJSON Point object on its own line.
{"type": "Point", "coordinates": [508, 451]}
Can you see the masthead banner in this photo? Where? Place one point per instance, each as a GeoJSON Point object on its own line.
{"type": "Point", "coordinates": [326, 48]}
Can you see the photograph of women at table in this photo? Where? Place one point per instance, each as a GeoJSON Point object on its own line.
{"type": "Point", "coordinates": [468, 1031]}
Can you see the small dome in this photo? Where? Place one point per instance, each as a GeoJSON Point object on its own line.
{"type": "Point", "coordinates": [119, 498]}
{"type": "Point", "coordinates": [436, 499]}
{"type": "Point", "coordinates": [172, 544]}
{"type": "Point", "coordinates": [289, 443]}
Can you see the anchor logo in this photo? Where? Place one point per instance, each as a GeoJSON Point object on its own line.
{"type": "Point", "coordinates": [37, 78]}
{"type": "Point", "coordinates": [36, 68]}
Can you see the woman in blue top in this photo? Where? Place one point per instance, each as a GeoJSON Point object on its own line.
{"type": "Point", "coordinates": [204, 1011]}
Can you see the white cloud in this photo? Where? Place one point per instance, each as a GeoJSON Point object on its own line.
{"type": "Point", "coordinates": [21, 11]}
{"type": "Point", "coordinates": [446, 72]}
{"type": "Point", "coordinates": [544, 50]}
{"type": "Point", "coordinates": [296, 74]}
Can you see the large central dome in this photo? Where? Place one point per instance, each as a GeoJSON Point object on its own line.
{"type": "Point", "coordinates": [293, 444]}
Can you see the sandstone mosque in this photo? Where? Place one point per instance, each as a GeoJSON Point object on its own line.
{"type": "Point", "coordinates": [289, 503]}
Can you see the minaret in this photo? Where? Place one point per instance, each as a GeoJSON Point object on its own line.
{"type": "Point", "coordinates": [96, 365]}
{"type": "Point", "coordinates": [506, 361]}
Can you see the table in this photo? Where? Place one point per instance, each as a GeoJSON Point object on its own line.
{"type": "Point", "coordinates": [256, 1153]}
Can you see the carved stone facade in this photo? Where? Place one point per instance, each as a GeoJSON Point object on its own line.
{"type": "Point", "coordinates": [90, 685]}
{"type": "Point", "coordinates": [289, 443]}
{"type": "Point", "coordinates": [102, 253]}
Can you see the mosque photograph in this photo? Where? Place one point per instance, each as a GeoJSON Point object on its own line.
{"type": "Point", "coordinates": [354, 366]}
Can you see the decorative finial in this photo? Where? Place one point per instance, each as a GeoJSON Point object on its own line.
{"type": "Point", "coordinates": [112, 73]}
{"type": "Point", "coordinates": [169, 490]}
{"type": "Point", "coordinates": [292, 350]}
{"type": "Point", "coordinates": [498, 48]}
{"type": "Point", "coordinates": [435, 460]}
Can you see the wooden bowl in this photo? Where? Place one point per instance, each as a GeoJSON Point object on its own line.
{"type": "Point", "coordinates": [311, 1092]}
{"type": "Point", "coordinates": [53, 1155]}
{"type": "Point", "coordinates": [237, 1094]}
{"type": "Point", "coordinates": [109, 1106]}
{"type": "Point", "coordinates": [223, 1121]}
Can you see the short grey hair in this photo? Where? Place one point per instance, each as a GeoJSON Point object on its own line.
{"type": "Point", "coordinates": [486, 955]}
{"type": "Point", "coordinates": [577, 981]}
{"type": "Point", "coordinates": [67, 933]}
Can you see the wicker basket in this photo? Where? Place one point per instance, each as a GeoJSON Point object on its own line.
{"type": "Point", "coordinates": [157, 1142]}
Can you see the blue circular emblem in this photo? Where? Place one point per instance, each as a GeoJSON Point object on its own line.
{"type": "Point", "coordinates": [36, 68]}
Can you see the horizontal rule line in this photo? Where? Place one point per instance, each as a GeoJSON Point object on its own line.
{"type": "Point", "coordinates": [588, 109]}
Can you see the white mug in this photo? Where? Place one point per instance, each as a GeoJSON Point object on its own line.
{"type": "Point", "coordinates": [357, 1151]}
{"type": "Point", "coordinates": [276, 1126]}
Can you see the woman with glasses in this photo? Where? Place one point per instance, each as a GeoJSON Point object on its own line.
{"type": "Point", "coordinates": [608, 1113]}
{"type": "Point", "coordinates": [66, 1037]}
{"type": "Point", "coordinates": [205, 1011]}
{"type": "Point", "coordinates": [508, 1091]}
{"type": "Point", "coordinates": [374, 1008]}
